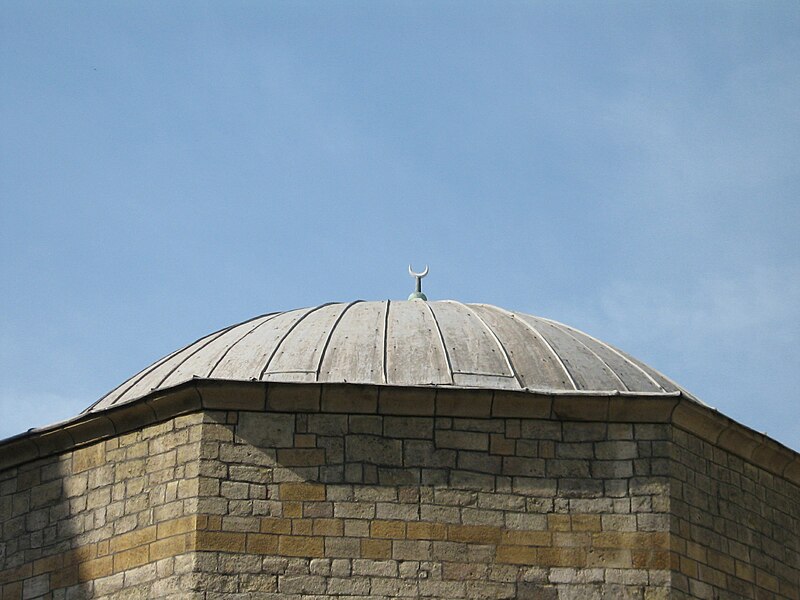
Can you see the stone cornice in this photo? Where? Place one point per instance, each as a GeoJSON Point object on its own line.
{"type": "Point", "coordinates": [204, 394]}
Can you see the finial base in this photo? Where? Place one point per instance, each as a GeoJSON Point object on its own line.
{"type": "Point", "coordinates": [418, 296]}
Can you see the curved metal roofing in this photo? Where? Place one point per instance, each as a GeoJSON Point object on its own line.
{"type": "Point", "coordinates": [402, 343]}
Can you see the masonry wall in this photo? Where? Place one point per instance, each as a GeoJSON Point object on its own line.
{"type": "Point", "coordinates": [736, 525]}
{"type": "Point", "coordinates": [111, 520]}
{"type": "Point", "coordinates": [309, 491]}
{"type": "Point", "coordinates": [419, 494]}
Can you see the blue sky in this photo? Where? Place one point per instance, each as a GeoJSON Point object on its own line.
{"type": "Point", "coordinates": [628, 168]}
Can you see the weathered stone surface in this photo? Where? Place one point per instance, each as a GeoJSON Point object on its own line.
{"type": "Point", "coordinates": [270, 430]}
{"type": "Point", "coordinates": [512, 504]}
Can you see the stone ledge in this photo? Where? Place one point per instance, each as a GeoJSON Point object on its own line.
{"type": "Point", "coordinates": [722, 431]}
{"type": "Point", "coordinates": [202, 394]}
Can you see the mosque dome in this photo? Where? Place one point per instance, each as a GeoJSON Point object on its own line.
{"type": "Point", "coordinates": [402, 343]}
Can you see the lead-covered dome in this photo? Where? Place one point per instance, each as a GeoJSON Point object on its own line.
{"type": "Point", "coordinates": [402, 343]}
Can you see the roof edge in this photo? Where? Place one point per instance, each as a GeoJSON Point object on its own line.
{"type": "Point", "coordinates": [677, 408]}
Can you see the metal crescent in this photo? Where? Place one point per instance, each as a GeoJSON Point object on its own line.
{"type": "Point", "coordinates": [420, 275]}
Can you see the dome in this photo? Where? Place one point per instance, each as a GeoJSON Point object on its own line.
{"type": "Point", "coordinates": [402, 343]}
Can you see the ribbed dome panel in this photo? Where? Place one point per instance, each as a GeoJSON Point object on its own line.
{"type": "Point", "coordinates": [408, 343]}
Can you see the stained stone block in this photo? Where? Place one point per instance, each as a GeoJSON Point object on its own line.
{"type": "Point", "coordinates": [267, 430]}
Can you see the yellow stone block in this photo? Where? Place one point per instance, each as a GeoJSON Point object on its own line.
{"type": "Point", "coordinates": [474, 534]}
{"type": "Point", "coordinates": [16, 573]}
{"type": "Point", "coordinates": [571, 539]}
{"type": "Point", "coordinates": [292, 509]}
{"type": "Point", "coordinates": [388, 529]}
{"type": "Point", "coordinates": [420, 530]}
{"type": "Point", "coordinates": [527, 538]}
{"type": "Point", "coordinates": [129, 559]}
{"type": "Point", "coordinates": [258, 543]}
{"type": "Point", "coordinates": [132, 539]}
{"type": "Point", "coordinates": [301, 527]}
{"type": "Point", "coordinates": [220, 541]}
{"type": "Point", "coordinates": [565, 557]}
{"type": "Point", "coordinates": [650, 559]}
{"type": "Point", "coordinates": [64, 577]}
{"type": "Point", "coordinates": [558, 522]}
{"type": "Point", "coordinates": [275, 525]}
{"type": "Point", "coordinates": [517, 555]}
{"type": "Point", "coordinates": [176, 527]}
{"type": "Point", "coordinates": [376, 549]}
{"type": "Point", "coordinates": [605, 558]}
{"type": "Point", "coordinates": [328, 527]}
{"type": "Point", "coordinates": [46, 565]}
{"type": "Point", "coordinates": [308, 492]}
{"type": "Point", "coordinates": [88, 458]}
{"type": "Point", "coordinates": [586, 523]}
{"type": "Point", "coordinates": [166, 548]}
{"type": "Point", "coordinates": [311, 547]}
{"type": "Point", "coordinates": [301, 457]}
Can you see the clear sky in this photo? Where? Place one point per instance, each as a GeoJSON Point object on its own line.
{"type": "Point", "coordinates": [629, 168]}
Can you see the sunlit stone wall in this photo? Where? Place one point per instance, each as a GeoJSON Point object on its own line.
{"type": "Point", "coordinates": [309, 491]}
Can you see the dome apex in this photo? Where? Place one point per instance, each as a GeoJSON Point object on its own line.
{"type": "Point", "coordinates": [402, 343]}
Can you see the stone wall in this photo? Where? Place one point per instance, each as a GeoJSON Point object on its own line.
{"type": "Point", "coordinates": [425, 494]}
{"type": "Point", "coordinates": [309, 491]}
{"type": "Point", "coordinates": [114, 519]}
{"type": "Point", "coordinates": [736, 525]}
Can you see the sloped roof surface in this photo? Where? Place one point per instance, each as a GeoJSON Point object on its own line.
{"type": "Point", "coordinates": [403, 343]}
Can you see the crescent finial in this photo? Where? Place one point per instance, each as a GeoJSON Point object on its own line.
{"type": "Point", "coordinates": [418, 295]}
{"type": "Point", "coordinates": [420, 275]}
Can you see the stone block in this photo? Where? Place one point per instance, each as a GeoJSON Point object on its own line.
{"type": "Point", "coordinates": [416, 530]}
{"type": "Point", "coordinates": [166, 548]}
{"type": "Point", "coordinates": [266, 430]}
{"type": "Point", "coordinates": [478, 461]}
{"type": "Point", "coordinates": [218, 541]}
{"type": "Point", "coordinates": [462, 440]}
{"type": "Point", "coordinates": [474, 534]}
{"type": "Point", "coordinates": [374, 450]}
{"type": "Point", "coordinates": [233, 395]}
{"type": "Point", "coordinates": [641, 409]}
{"type": "Point", "coordinates": [408, 427]}
{"type": "Point", "coordinates": [376, 549]}
{"type": "Point", "coordinates": [302, 491]}
{"type": "Point", "coordinates": [123, 561]}
{"type": "Point", "coordinates": [342, 547]}
{"type": "Point", "coordinates": [35, 587]}
{"type": "Point", "coordinates": [88, 458]}
{"type": "Point", "coordinates": [540, 430]}
{"type": "Point", "coordinates": [472, 481]}
{"type": "Point", "coordinates": [517, 555]}
{"type": "Point", "coordinates": [581, 408]}
{"type": "Point", "coordinates": [301, 546]}
{"type": "Point", "coordinates": [703, 421]}
{"type": "Point", "coordinates": [137, 537]}
{"type": "Point", "coordinates": [301, 457]}
{"type": "Point", "coordinates": [524, 467]}
{"type": "Point", "coordinates": [259, 543]}
{"type": "Point", "coordinates": [411, 550]}
{"type": "Point", "coordinates": [349, 398]}
{"type": "Point", "coordinates": [366, 424]}
{"type": "Point", "coordinates": [463, 403]}
{"type": "Point", "coordinates": [300, 584]}
{"type": "Point", "coordinates": [522, 405]}
{"type": "Point", "coordinates": [616, 450]}
{"type": "Point", "coordinates": [179, 400]}
{"type": "Point", "coordinates": [406, 401]}
{"type": "Point", "coordinates": [293, 397]}
{"type": "Point", "coordinates": [422, 453]}
{"type": "Point", "coordinates": [388, 529]}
